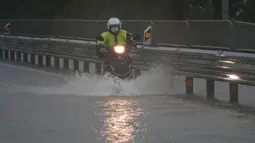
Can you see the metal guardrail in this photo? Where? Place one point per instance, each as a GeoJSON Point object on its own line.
{"type": "Point", "coordinates": [233, 67]}
{"type": "Point", "coordinates": [228, 35]}
{"type": "Point", "coordinates": [201, 63]}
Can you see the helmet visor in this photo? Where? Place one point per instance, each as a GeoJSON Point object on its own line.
{"type": "Point", "coordinates": [114, 25]}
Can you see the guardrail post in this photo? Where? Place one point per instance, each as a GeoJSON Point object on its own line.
{"type": "Point", "coordinates": [1, 53]}
{"type": "Point", "coordinates": [4, 54]}
{"type": "Point", "coordinates": [233, 91]}
{"type": "Point", "coordinates": [209, 89]}
{"type": "Point", "coordinates": [189, 85]}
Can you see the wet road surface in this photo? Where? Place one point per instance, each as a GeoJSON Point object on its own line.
{"type": "Point", "coordinates": [28, 117]}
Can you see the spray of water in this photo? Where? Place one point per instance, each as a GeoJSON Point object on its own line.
{"type": "Point", "coordinates": [157, 80]}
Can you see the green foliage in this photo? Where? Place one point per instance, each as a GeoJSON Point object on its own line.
{"type": "Point", "coordinates": [246, 12]}
{"type": "Point", "coordinates": [125, 9]}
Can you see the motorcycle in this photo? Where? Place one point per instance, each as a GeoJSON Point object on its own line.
{"type": "Point", "coordinates": [118, 62]}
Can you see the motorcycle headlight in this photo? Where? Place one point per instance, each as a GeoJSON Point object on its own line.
{"type": "Point", "coordinates": [119, 49]}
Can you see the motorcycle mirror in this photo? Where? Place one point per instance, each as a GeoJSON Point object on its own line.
{"type": "Point", "coordinates": [99, 38]}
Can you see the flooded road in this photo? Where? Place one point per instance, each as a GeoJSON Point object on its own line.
{"type": "Point", "coordinates": [39, 107]}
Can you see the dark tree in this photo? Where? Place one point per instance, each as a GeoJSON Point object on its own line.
{"type": "Point", "coordinates": [125, 9]}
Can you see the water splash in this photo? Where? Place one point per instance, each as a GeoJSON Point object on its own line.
{"type": "Point", "coordinates": [157, 80]}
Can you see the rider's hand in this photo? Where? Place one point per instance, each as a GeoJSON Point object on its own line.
{"type": "Point", "coordinates": [103, 50]}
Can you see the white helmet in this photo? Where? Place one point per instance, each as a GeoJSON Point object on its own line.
{"type": "Point", "coordinates": [114, 24]}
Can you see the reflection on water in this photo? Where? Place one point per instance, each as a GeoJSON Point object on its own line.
{"type": "Point", "coordinates": [120, 125]}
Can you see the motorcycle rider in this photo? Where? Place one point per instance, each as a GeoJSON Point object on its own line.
{"type": "Point", "coordinates": [114, 35]}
